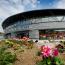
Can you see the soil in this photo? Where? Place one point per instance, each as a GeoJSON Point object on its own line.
{"type": "Point", "coordinates": [28, 57]}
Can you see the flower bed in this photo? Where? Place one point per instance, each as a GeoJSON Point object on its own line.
{"type": "Point", "coordinates": [49, 56]}
{"type": "Point", "coordinates": [25, 51]}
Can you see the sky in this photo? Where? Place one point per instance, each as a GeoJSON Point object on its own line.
{"type": "Point", "coordinates": [12, 7]}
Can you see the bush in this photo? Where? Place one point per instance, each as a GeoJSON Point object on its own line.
{"type": "Point", "coordinates": [31, 41]}
{"type": "Point", "coordinates": [48, 61]}
{"type": "Point", "coordinates": [60, 48]}
{"type": "Point", "coordinates": [6, 58]}
{"type": "Point", "coordinates": [9, 43]}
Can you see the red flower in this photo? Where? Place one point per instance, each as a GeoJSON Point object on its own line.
{"type": "Point", "coordinates": [55, 52]}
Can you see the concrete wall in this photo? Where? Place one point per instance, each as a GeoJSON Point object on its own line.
{"type": "Point", "coordinates": [34, 34]}
{"type": "Point", "coordinates": [48, 25]}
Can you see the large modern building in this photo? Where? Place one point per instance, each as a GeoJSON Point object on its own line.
{"type": "Point", "coordinates": [47, 23]}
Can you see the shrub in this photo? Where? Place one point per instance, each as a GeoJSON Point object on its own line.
{"type": "Point", "coordinates": [31, 41]}
{"type": "Point", "coordinates": [9, 43]}
{"type": "Point", "coordinates": [6, 58]}
{"type": "Point", "coordinates": [48, 61]}
{"type": "Point", "coordinates": [30, 44]}
{"type": "Point", "coordinates": [60, 48]}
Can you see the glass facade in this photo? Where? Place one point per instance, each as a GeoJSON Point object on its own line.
{"type": "Point", "coordinates": [25, 24]}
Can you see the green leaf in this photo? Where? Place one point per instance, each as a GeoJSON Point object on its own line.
{"type": "Point", "coordinates": [9, 64]}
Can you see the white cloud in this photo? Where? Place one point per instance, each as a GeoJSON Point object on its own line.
{"type": "Point", "coordinates": [11, 7]}
{"type": "Point", "coordinates": [59, 4]}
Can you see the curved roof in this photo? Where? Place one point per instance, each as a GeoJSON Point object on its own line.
{"type": "Point", "coordinates": [32, 14]}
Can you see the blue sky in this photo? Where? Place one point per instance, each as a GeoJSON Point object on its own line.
{"type": "Point", "coordinates": [11, 7]}
{"type": "Point", "coordinates": [46, 2]}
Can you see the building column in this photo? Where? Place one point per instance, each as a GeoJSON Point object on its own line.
{"type": "Point", "coordinates": [34, 34]}
{"type": "Point", "coordinates": [13, 34]}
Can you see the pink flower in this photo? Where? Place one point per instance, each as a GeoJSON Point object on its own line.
{"type": "Point", "coordinates": [25, 38]}
{"type": "Point", "coordinates": [55, 52]}
{"type": "Point", "coordinates": [45, 50]}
